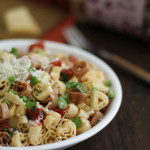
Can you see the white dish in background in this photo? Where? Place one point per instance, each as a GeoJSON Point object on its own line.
{"type": "Point", "coordinates": [98, 63]}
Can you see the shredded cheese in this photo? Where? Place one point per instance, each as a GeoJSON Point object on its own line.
{"type": "Point", "coordinates": [36, 122]}
{"type": "Point", "coordinates": [16, 67]}
{"type": "Point", "coordinates": [91, 112]}
{"type": "Point", "coordinates": [41, 75]}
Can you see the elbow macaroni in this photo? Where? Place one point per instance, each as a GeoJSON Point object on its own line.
{"type": "Point", "coordinates": [61, 86]}
{"type": "Point", "coordinates": [20, 111]}
{"type": "Point", "coordinates": [72, 111]}
{"type": "Point", "coordinates": [23, 124]}
{"type": "Point", "coordinates": [52, 120]}
{"type": "Point", "coordinates": [49, 137]}
{"type": "Point", "coordinates": [20, 139]}
{"type": "Point", "coordinates": [84, 126]}
{"type": "Point", "coordinates": [4, 86]}
{"type": "Point", "coordinates": [67, 130]}
{"type": "Point", "coordinates": [35, 135]}
{"type": "Point", "coordinates": [83, 114]}
{"type": "Point", "coordinates": [45, 90]}
{"type": "Point", "coordinates": [15, 99]}
{"type": "Point", "coordinates": [55, 73]}
{"type": "Point", "coordinates": [12, 110]}
{"type": "Point", "coordinates": [98, 100]}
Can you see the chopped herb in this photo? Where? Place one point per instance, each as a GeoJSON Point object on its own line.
{"type": "Point", "coordinates": [76, 85]}
{"type": "Point", "coordinates": [7, 102]}
{"type": "Point", "coordinates": [62, 104]}
{"type": "Point", "coordinates": [65, 77]}
{"type": "Point", "coordinates": [5, 129]}
{"type": "Point", "coordinates": [14, 92]}
{"type": "Point", "coordinates": [24, 98]}
{"type": "Point", "coordinates": [31, 99]}
{"type": "Point", "coordinates": [111, 94]}
{"type": "Point", "coordinates": [108, 83]}
{"type": "Point", "coordinates": [11, 132]}
{"type": "Point", "coordinates": [44, 113]}
{"type": "Point", "coordinates": [30, 103]}
{"type": "Point", "coordinates": [77, 122]}
{"type": "Point", "coordinates": [34, 108]}
{"type": "Point", "coordinates": [34, 80]}
{"type": "Point", "coordinates": [32, 69]}
{"type": "Point", "coordinates": [93, 89]}
{"type": "Point", "coordinates": [42, 53]}
{"type": "Point", "coordinates": [12, 79]}
{"type": "Point", "coordinates": [66, 97]}
{"type": "Point", "coordinates": [37, 90]}
{"type": "Point", "coordinates": [28, 115]}
{"type": "Point", "coordinates": [71, 85]}
{"type": "Point", "coordinates": [14, 51]}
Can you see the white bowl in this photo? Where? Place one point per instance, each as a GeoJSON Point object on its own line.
{"type": "Point", "coordinates": [82, 54]}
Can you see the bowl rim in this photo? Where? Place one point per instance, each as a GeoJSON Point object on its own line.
{"type": "Point", "coordinates": [102, 124]}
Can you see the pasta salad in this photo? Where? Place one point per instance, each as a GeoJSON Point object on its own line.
{"type": "Point", "coordinates": [49, 97]}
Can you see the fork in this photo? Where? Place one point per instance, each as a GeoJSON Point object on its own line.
{"type": "Point", "coordinates": [75, 37]}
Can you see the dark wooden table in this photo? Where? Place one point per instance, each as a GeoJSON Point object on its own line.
{"type": "Point", "coordinates": [130, 129]}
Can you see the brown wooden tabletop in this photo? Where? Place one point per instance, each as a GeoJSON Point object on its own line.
{"type": "Point", "coordinates": [130, 129]}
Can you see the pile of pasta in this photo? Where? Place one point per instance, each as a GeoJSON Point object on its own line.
{"type": "Point", "coordinates": [46, 98]}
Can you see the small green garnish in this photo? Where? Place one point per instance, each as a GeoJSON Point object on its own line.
{"type": "Point", "coordinates": [34, 108]}
{"type": "Point", "coordinates": [66, 97]}
{"type": "Point", "coordinates": [7, 102]}
{"type": "Point", "coordinates": [31, 99]}
{"type": "Point", "coordinates": [111, 94]}
{"type": "Point", "coordinates": [37, 90]}
{"type": "Point", "coordinates": [34, 80]}
{"type": "Point", "coordinates": [108, 83]}
{"type": "Point", "coordinates": [14, 51]}
{"type": "Point", "coordinates": [65, 77]}
{"type": "Point", "coordinates": [30, 102]}
{"type": "Point", "coordinates": [11, 132]}
{"type": "Point", "coordinates": [44, 113]}
{"type": "Point", "coordinates": [77, 122]}
{"type": "Point", "coordinates": [14, 92]}
{"type": "Point", "coordinates": [62, 104]}
{"type": "Point", "coordinates": [42, 53]}
{"type": "Point", "coordinates": [32, 69]}
{"type": "Point", "coordinates": [93, 89]}
{"type": "Point", "coordinates": [24, 98]}
{"type": "Point", "coordinates": [76, 85]}
{"type": "Point", "coordinates": [28, 115]}
{"type": "Point", "coordinates": [12, 79]}
{"type": "Point", "coordinates": [5, 129]}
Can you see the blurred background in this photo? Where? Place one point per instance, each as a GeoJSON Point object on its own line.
{"type": "Point", "coordinates": [127, 17]}
{"type": "Point", "coordinates": [120, 27]}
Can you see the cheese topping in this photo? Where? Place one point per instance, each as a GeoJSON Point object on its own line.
{"type": "Point", "coordinates": [41, 75]}
{"type": "Point", "coordinates": [16, 67]}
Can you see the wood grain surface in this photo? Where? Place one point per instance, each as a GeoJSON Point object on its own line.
{"type": "Point", "coordinates": [130, 129]}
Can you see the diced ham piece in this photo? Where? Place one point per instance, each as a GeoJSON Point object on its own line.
{"type": "Point", "coordinates": [80, 68]}
{"type": "Point", "coordinates": [4, 111]}
{"type": "Point", "coordinates": [96, 118]}
{"type": "Point", "coordinates": [77, 97]}
{"type": "Point", "coordinates": [22, 88]}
